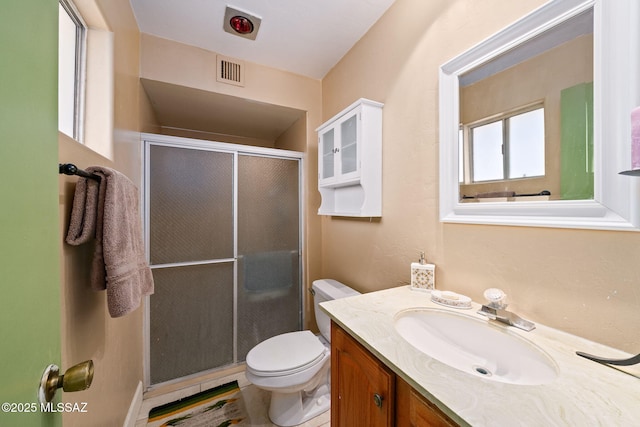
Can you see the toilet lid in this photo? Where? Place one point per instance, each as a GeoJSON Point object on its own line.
{"type": "Point", "coordinates": [286, 354]}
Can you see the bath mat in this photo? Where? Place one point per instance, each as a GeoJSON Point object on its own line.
{"type": "Point", "coordinates": [219, 407]}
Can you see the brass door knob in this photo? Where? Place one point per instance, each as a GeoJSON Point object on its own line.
{"type": "Point", "coordinates": [76, 378]}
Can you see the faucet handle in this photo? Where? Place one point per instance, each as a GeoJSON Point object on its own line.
{"type": "Point", "coordinates": [496, 298]}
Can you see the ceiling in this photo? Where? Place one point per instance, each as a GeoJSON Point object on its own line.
{"type": "Point", "coordinates": [306, 37]}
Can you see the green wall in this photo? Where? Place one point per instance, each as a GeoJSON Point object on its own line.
{"type": "Point", "coordinates": [29, 227]}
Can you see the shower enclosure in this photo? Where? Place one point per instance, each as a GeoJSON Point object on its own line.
{"type": "Point", "coordinates": [222, 225]}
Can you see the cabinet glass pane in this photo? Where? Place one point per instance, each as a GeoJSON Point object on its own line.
{"type": "Point", "coordinates": [191, 205]}
{"type": "Point", "coordinates": [268, 249]}
{"type": "Point", "coordinates": [328, 145]}
{"type": "Point", "coordinates": [191, 320]}
{"type": "Point", "coordinates": [349, 146]}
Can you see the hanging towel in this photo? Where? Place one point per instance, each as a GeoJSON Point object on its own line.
{"type": "Point", "coordinates": [108, 213]}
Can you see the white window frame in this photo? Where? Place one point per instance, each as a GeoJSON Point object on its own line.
{"type": "Point", "coordinates": [80, 69]}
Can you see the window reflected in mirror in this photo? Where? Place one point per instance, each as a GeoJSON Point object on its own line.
{"type": "Point", "coordinates": [508, 148]}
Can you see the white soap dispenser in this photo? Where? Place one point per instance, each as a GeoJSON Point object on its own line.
{"type": "Point", "coordinates": [423, 275]}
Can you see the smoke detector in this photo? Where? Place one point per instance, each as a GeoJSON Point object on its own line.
{"type": "Point", "coordinates": [241, 23]}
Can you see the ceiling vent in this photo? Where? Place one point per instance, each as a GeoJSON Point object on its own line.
{"type": "Point", "coordinates": [229, 70]}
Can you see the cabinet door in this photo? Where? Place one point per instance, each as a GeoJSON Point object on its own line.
{"type": "Point", "coordinates": [413, 410]}
{"type": "Point", "coordinates": [362, 387]}
{"type": "Point", "coordinates": [349, 146]}
{"type": "Point", "coordinates": [339, 151]}
{"type": "Point", "coordinates": [327, 154]}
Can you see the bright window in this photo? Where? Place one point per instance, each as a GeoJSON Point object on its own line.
{"type": "Point", "coordinates": [509, 148]}
{"type": "Point", "coordinates": [71, 65]}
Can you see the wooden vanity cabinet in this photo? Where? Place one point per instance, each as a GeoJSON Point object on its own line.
{"type": "Point", "coordinates": [366, 393]}
{"type": "Point", "coordinates": [362, 387]}
{"type": "Point", "coordinates": [413, 410]}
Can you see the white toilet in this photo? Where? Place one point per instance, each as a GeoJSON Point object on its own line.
{"type": "Point", "coordinates": [294, 366]}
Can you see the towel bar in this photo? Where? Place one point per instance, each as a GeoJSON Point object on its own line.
{"type": "Point", "coordinates": [71, 169]}
{"type": "Point", "coordinates": [506, 194]}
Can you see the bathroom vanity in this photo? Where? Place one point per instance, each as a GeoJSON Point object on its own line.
{"type": "Point", "coordinates": [382, 379]}
{"type": "Point", "coordinates": [366, 392]}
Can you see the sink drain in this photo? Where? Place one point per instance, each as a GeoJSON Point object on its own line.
{"type": "Point", "coordinates": [482, 371]}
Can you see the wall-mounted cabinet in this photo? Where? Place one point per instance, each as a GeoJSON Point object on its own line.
{"type": "Point", "coordinates": [350, 161]}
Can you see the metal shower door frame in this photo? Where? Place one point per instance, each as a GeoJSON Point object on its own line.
{"type": "Point", "coordinates": [236, 150]}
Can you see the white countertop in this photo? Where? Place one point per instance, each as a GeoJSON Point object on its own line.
{"type": "Point", "coordinates": [585, 393]}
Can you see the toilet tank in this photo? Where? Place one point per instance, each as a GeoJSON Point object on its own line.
{"type": "Point", "coordinates": [327, 290]}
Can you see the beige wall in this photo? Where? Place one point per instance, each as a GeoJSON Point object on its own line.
{"type": "Point", "coordinates": [295, 139]}
{"type": "Point", "coordinates": [88, 332]}
{"type": "Point", "coordinates": [583, 282]}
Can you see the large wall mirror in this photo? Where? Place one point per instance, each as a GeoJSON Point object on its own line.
{"type": "Point", "coordinates": [535, 121]}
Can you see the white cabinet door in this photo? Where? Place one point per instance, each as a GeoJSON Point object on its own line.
{"type": "Point", "coordinates": [349, 158]}
{"type": "Point", "coordinates": [340, 154]}
{"type": "Point", "coordinates": [327, 152]}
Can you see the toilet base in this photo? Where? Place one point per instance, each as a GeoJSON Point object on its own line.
{"type": "Point", "coordinates": [291, 409]}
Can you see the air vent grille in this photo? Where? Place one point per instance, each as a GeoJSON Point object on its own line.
{"type": "Point", "coordinates": [230, 71]}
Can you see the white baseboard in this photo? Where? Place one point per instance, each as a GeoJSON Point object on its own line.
{"type": "Point", "coordinates": [134, 408]}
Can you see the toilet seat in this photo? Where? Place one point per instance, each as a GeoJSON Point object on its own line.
{"type": "Point", "coordinates": [286, 354]}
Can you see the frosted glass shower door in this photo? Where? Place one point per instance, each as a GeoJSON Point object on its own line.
{"type": "Point", "coordinates": [191, 249]}
{"type": "Point", "coordinates": [269, 300]}
{"type": "Point", "coordinates": [223, 233]}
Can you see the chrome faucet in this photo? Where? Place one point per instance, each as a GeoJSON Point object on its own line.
{"type": "Point", "coordinates": [495, 309]}
{"type": "Point", "coordinates": [506, 317]}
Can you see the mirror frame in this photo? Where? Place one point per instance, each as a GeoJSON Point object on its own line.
{"type": "Point", "coordinates": [616, 93]}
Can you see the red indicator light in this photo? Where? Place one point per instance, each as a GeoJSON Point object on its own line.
{"type": "Point", "coordinates": [241, 25]}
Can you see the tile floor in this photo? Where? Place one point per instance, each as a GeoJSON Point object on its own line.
{"type": "Point", "coordinates": [256, 402]}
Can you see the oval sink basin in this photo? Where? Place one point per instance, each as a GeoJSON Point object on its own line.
{"type": "Point", "coordinates": [472, 345]}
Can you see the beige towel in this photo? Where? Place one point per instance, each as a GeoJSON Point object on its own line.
{"type": "Point", "coordinates": [108, 212]}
